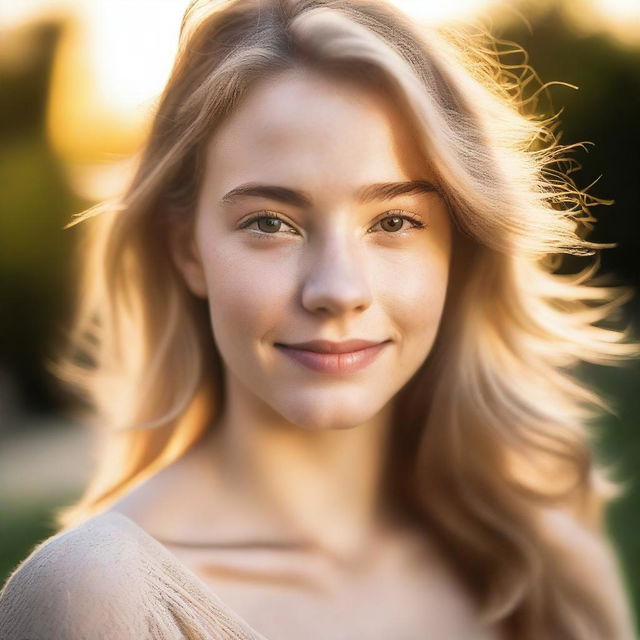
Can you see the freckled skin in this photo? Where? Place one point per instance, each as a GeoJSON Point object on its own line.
{"type": "Point", "coordinates": [332, 280]}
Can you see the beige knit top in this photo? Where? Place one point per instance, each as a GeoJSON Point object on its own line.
{"type": "Point", "coordinates": [109, 579]}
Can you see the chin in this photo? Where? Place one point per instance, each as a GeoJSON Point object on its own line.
{"type": "Point", "coordinates": [332, 415]}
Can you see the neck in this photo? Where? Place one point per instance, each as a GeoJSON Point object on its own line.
{"type": "Point", "coordinates": [324, 485]}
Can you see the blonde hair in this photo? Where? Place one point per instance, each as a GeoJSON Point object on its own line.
{"type": "Point", "coordinates": [493, 428]}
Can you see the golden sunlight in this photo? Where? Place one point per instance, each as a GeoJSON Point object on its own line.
{"type": "Point", "coordinates": [115, 55]}
{"type": "Point", "coordinates": [109, 68]}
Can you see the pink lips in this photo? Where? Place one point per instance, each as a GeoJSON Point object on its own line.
{"type": "Point", "coordinates": [329, 357]}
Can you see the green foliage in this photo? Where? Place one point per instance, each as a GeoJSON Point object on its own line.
{"type": "Point", "coordinates": [618, 438]}
{"type": "Point", "coordinates": [21, 528]}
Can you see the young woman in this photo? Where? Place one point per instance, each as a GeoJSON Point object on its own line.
{"type": "Point", "coordinates": [329, 357]}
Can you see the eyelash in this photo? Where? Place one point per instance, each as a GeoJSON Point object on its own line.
{"type": "Point", "coordinates": [416, 223]}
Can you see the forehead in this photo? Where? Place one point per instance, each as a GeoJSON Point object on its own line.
{"type": "Point", "coordinates": [304, 127]}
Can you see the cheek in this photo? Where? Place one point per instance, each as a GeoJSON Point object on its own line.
{"type": "Point", "coordinates": [423, 312]}
{"type": "Point", "coordinates": [246, 293]}
{"type": "Point", "coordinates": [414, 297]}
{"type": "Point", "coordinates": [416, 284]}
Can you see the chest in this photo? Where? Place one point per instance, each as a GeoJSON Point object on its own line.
{"type": "Point", "coordinates": [287, 595]}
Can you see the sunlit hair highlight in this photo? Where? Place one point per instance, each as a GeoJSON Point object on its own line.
{"type": "Point", "coordinates": [491, 437]}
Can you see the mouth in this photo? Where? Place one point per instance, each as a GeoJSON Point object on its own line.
{"type": "Point", "coordinates": [333, 362]}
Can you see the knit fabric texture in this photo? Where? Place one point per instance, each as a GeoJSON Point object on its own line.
{"type": "Point", "coordinates": [107, 578]}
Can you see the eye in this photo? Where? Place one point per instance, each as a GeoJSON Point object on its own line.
{"type": "Point", "coordinates": [396, 219]}
{"type": "Point", "coordinates": [268, 224]}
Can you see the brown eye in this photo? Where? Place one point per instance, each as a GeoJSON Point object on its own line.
{"type": "Point", "coordinates": [392, 223]}
{"type": "Point", "coordinates": [269, 224]}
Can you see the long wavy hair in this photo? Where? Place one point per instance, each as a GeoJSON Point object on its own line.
{"type": "Point", "coordinates": [493, 429]}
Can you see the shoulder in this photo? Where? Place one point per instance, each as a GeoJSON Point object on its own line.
{"type": "Point", "coordinates": [78, 583]}
{"type": "Point", "coordinates": [592, 560]}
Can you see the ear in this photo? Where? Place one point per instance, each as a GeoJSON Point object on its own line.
{"type": "Point", "coordinates": [186, 257]}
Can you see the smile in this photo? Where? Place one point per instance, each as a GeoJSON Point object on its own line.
{"type": "Point", "coordinates": [347, 362]}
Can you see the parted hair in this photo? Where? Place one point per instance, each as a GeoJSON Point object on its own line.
{"type": "Point", "coordinates": [494, 429]}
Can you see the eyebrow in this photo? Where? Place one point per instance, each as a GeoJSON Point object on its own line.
{"type": "Point", "coordinates": [377, 191]}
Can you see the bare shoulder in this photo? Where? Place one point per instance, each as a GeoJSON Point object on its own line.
{"type": "Point", "coordinates": [593, 560]}
{"type": "Point", "coordinates": [79, 583]}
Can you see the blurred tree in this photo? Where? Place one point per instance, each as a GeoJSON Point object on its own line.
{"type": "Point", "coordinates": [605, 111]}
{"type": "Point", "coordinates": [34, 206]}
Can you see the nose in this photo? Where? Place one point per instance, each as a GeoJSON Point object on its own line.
{"type": "Point", "coordinates": [336, 280]}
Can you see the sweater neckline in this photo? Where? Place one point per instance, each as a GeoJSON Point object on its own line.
{"type": "Point", "coordinates": [209, 593]}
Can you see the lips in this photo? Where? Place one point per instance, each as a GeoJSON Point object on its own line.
{"type": "Point", "coordinates": [337, 361]}
{"type": "Point", "coordinates": [327, 346]}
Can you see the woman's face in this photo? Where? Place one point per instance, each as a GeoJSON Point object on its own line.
{"type": "Point", "coordinates": [337, 266]}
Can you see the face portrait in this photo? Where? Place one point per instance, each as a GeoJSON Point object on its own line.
{"type": "Point", "coordinates": [324, 256]}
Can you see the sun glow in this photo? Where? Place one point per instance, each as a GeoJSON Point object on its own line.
{"type": "Point", "coordinates": [115, 55]}
{"type": "Point", "coordinates": [112, 63]}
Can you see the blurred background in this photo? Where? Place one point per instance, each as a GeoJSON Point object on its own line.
{"type": "Point", "coordinates": [78, 80]}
